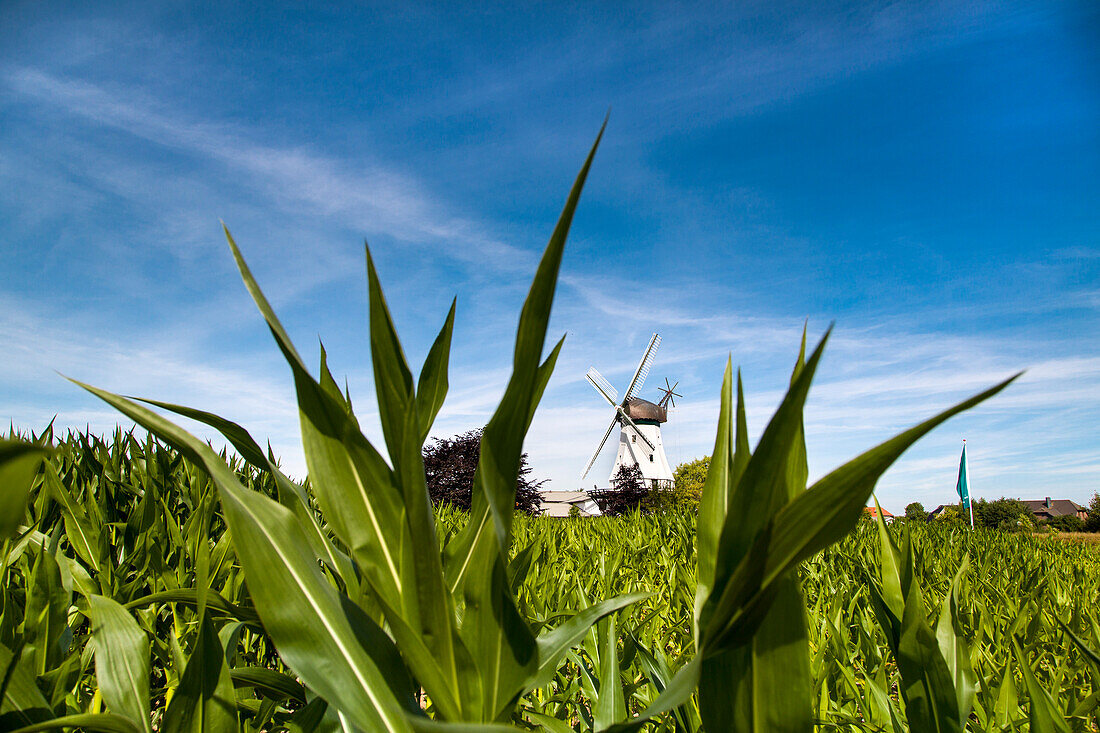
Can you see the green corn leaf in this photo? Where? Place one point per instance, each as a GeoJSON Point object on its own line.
{"type": "Point", "coordinates": [100, 723]}
{"type": "Point", "coordinates": [20, 701]}
{"type": "Point", "coordinates": [237, 436]}
{"type": "Point", "coordinates": [291, 494]}
{"type": "Point", "coordinates": [610, 706]}
{"type": "Point", "coordinates": [763, 487]}
{"type": "Point", "coordinates": [953, 647]}
{"type": "Point", "coordinates": [520, 565]}
{"type": "Point", "coordinates": [1004, 710]}
{"type": "Point", "coordinates": [19, 462]}
{"type": "Point", "coordinates": [426, 725]}
{"type": "Point", "coordinates": [47, 610]}
{"type": "Point", "coordinates": [1043, 712]}
{"type": "Point", "coordinates": [81, 532]}
{"type": "Point", "coordinates": [1092, 656]}
{"type": "Point", "coordinates": [553, 644]}
{"type": "Point", "coordinates": [659, 674]}
{"type": "Point", "coordinates": [679, 690]}
{"type": "Point", "coordinates": [736, 690]}
{"type": "Point", "coordinates": [204, 701]}
{"type": "Point", "coordinates": [272, 684]}
{"type": "Point", "coordinates": [499, 640]}
{"type": "Point", "coordinates": [817, 518]}
{"type": "Point", "coordinates": [121, 660]}
{"type": "Point", "coordinates": [502, 441]}
{"type": "Point", "coordinates": [431, 388]}
{"type": "Point", "coordinates": [547, 723]}
{"type": "Point", "coordinates": [363, 499]}
{"type": "Point", "coordinates": [298, 607]}
{"type": "Point", "coordinates": [717, 491]}
{"type": "Point", "coordinates": [927, 684]}
{"type": "Point", "coordinates": [215, 602]}
{"type": "Point", "coordinates": [427, 605]}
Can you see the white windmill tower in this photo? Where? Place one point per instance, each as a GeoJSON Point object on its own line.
{"type": "Point", "coordinates": [639, 422]}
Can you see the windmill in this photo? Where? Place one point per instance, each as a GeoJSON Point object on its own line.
{"type": "Point", "coordinates": [639, 421]}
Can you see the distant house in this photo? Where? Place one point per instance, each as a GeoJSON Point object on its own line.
{"type": "Point", "coordinates": [935, 513]}
{"type": "Point", "coordinates": [1050, 508]}
{"type": "Point", "coordinates": [872, 512]}
{"type": "Point", "coordinates": [559, 503]}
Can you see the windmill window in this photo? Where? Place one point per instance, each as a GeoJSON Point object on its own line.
{"type": "Point", "coordinates": [633, 438]}
{"type": "Point", "coordinates": [651, 458]}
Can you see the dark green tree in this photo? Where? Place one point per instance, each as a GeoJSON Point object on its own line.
{"type": "Point", "coordinates": [1007, 514]}
{"type": "Point", "coordinates": [449, 465]}
{"type": "Point", "coordinates": [1067, 523]}
{"type": "Point", "coordinates": [628, 491]}
{"type": "Point", "coordinates": [688, 480]}
{"type": "Point", "coordinates": [1092, 524]}
{"type": "Point", "coordinates": [915, 512]}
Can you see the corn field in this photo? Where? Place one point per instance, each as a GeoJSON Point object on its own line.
{"type": "Point", "coordinates": [151, 583]}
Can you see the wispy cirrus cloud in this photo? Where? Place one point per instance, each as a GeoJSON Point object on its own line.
{"type": "Point", "coordinates": [374, 197]}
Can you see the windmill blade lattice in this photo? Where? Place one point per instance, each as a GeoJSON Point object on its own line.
{"type": "Point", "coordinates": [643, 367]}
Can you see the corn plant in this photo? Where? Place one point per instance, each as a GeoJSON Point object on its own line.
{"type": "Point", "coordinates": [365, 610]}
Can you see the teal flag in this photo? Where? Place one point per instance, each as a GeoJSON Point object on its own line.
{"type": "Point", "coordinates": [963, 486]}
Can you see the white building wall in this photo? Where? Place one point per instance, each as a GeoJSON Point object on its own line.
{"type": "Point", "coordinates": [632, 450]}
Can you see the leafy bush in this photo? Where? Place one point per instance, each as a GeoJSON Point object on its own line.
{"type": "Point", "coordinates": [1067, 523]}
{"type": "Point", "coordinates": [449, 466]}
{"type": "Point", "coordinates": [689, 478]}
{"type": "Point", "coordinates": [1004, 514]}
{"type": "Point", "coordinates": [628, 493]}
{"type": "Point", "coordinates": [915, 512]}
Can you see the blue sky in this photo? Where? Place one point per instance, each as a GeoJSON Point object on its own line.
{"type": "Point", "coordinates": [926, 175]}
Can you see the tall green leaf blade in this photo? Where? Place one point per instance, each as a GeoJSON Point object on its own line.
{"type": "Point", "coordinates": [817, 518]}
{"type": "Point", "coordinates": [717, 491]}
{"type": "Point", "coordinates": [97, 723]}
{"type": "Point", "coordinates": [953, 646]}
{"type": "Point", "coordinates": [930, 700]}
{"type": "Point", "coordinates": [428, 605]}
{"type": "Point", "coordinates": [298, 607]}
{"type": "Point", "coordinates": [763, 487]}
{"type": "Point", "coordinates": [1043, 712]}
{"type": "Point", "coordinates": [21, 698]}
{"type": "Point", "coordinates": [498, 638]}
{"type": "Point", "coordinates": [502, 441]}
{"type": "Point", "coordinates": [679, 690]}
{"type": "Point", "coordinates": [291, 494]}
{"type": "Point", "coordinates": [355, 488]}
{"type": "Point", "coordinates": [204, 701]}
{"type": "Point", "coordinates": [431, 388]}
{"type": "Point", "coordinates": [121, 660]}
{"type": "Point", "coordinates": [737, 687]}
{"type": "Point", "coordinates": [19, 462]}
{"type": "Point", "coordinates": [610, 706]}
{"type": "Point", "coordinates": [81, 532]}
{"type": "Point", "coordinates": [554, 644]}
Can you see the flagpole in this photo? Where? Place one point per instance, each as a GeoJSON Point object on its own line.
{"type": "Point", "coordinates": [969, 499]}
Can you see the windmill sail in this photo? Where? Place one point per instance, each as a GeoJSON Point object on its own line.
{"type": "Point", "coordinates": [643, 367]}
{"type": "Point", "coordinates": [602, 386]}
{"type": "Point", "coordinates": [614, 422]}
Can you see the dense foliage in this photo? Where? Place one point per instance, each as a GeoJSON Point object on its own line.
{"type": "Point", "coordinates": [140, 507]}
{"type": "Point", "coordinates": [358, 608]}
{"type": "Point", "coordinates": [1092, 523]}
{"type": "Point", "coordinates": [1009, 514]}
{"type": "Point", "coordinates": [689, 478]}
{"type": "Point", "coordinates": [449, 465]}
{"type": "Point", "coordinates": [915, 512]}
{"type": "Point", "coordinates": [628, 492]}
